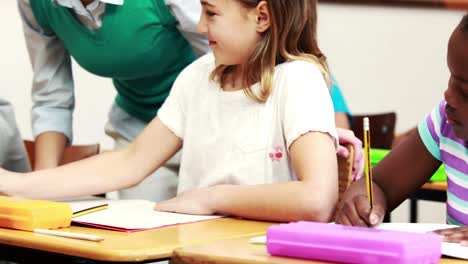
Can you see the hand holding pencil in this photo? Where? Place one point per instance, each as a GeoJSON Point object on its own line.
{"type": "Point", "coordinates": [373, 218]}
{"type": "Point", "coordinates": [368, 169]}
{"type": "Point", "coordinates": [364, 202]}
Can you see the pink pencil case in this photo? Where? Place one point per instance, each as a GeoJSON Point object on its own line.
{"type": "Point", "coordinates": [338, 243]}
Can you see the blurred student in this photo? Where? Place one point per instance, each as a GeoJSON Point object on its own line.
{"type": "Point", "coordinates": [12, 152]}
{"type": "Point", "coordinates": [141, 45]}
{"type": "Point", "coordinates": [342, 113]}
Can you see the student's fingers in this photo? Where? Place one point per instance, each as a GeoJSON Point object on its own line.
{"type": "Point", "coordinates": [363, 209]}
{"type": "Point", "coordinates": [358, 167]}
{"type": "Point", "coordinates": [449, 231]}
{"type": "Point", "coordinates": [456, 235]}
{"type": "Point", "coordinates": [372, 216]}
{"type": "Point", "coordinates": [343, 219]}
{"type": "Point", "coordinates": [376, 216]}
{"type": "Point", "coordinates": [356, 219]}
{"type": "Point", "coordinates": [342, 152]}
{"type": "Point", "coordinates": [443, 232]}
{"type": "Point", "coordinates": [185, 204]}
{"type": "Point", "coordinates": [348, 214]}
{"type": "Point", "coordinates": [167, 205]}
{"type": "Point", "coordinates": [347, 136]}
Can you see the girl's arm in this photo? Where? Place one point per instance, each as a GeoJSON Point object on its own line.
{"type": "Point", "coordinates": [52, 90]}
{"type": "Point", "coordinates": [313, 197]}
{"type": "Point", "coordinates": [49, 150]}
{"type": "Point", "coordinates": [102, 173]}
{"type": "Point", "coordinates": [404, 170]}
{"type": "Point", "coordinates": [399, 174]}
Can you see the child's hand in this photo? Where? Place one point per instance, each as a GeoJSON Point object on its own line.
{"type": "Point", "coordinates": [356, 210]}
{"type": "Point", "coordinates": [457, 235]}
{"type": "Point", "coordinates": [5, 178]}
{"type": "Point", "coordinates": [3, 175]}
{"type": "Point", "coordinates": [191, 202]}
{"type": "Point", "coordinates": [347, 137]}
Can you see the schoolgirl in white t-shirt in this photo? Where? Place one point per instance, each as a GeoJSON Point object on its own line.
{"type": "Point", "coordinates": [255, 120]}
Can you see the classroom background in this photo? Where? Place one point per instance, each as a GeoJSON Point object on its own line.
{"type": "Point", "coordinates": [385, 58]}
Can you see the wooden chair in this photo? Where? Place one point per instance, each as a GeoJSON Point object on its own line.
{"type": "Point", "coordinates": [382, 127]}
{"type": "Point", "coordinates": [345, 174]}
{"type": "Point", "coordinates": [71, 154]}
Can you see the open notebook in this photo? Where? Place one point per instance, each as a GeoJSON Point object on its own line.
{"type": "Point", "coordinates": [129, 215]}
{"type": "Point", "coordinates": [449, 249]}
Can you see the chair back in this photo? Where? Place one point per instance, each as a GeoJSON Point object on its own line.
{"type": "Point", "coordinates": [382, 127]}
{"type": "Point", "coordinates": [345, 176]}
{"type": "Point", "coordinates": [71, 153]}
{"type": "Point", "coordinates": [345, 173]}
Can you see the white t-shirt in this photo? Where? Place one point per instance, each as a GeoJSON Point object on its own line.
{"type": "Point", "coordinates": [229, 138]}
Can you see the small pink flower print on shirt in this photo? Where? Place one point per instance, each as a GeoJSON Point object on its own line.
{"type": "Point", "coordinates": [277, 153]}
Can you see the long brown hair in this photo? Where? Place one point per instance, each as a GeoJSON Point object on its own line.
{"type": "Point", "coordinates": [291, 36]}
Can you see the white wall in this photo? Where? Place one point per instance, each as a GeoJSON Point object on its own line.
{"type": "Point", "coordinates": [388, 58]}
{"type": "Point", "coordinates": [385, 58]}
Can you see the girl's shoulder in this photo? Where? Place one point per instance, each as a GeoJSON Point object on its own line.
{"type": "Point", "coordinates": [199, 69]}
{"type": "Point", "coordinates": [206, 60]}
{"type": "Point", "coordinates": [298, 73]}
{"type": "Point", "coordinates": [205, 63]}
{"type": "Point", "coordinates": [297, 67]}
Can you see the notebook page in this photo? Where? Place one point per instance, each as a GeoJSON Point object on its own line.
{"type": "Point", "coordinates": [132, 215]}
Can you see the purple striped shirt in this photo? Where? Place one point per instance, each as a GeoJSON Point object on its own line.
{"type": "Point", "coordinates": [439, 138]}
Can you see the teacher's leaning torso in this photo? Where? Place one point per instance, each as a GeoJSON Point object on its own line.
{"type": "Point", "coordinates": [138, 46]}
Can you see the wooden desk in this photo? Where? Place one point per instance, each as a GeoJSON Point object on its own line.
{"type": "Point", "coordinates": [150, 245]}
{"type": "Point", "coordinates": [431, 191]}
{"type": "Point", "coordinates": [239, 251]}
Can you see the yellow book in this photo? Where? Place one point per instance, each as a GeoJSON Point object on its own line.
{"type": "Point", "coordinates": [27, 214]}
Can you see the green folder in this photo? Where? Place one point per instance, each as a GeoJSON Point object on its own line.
{"type": "Point", "coordinates": [378, 154]}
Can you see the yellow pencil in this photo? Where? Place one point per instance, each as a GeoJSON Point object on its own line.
{"type": "Point", "coordinates": [370, 194]}
{"type": "Point", "coordinates": [90, 210]}
{"type": "Point", "coordinates": [68, 234]}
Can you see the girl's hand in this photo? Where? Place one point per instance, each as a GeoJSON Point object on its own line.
{"type": "Point", "coordinates": [191, 202]}
{"type": "Point", "coordinates": [347, 137]}
{"type": "Point", "coordinates": [7, 178]}
{"type": "Point", "coordinates": [356, 210]}
{"type": "Point", "coordinates": [457, 235]}
{"type": "Point", "coordinates": [3, 175]}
